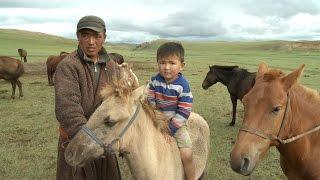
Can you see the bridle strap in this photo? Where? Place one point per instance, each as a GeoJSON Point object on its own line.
{"type": "Point", "coordinates": [124, 130]}
{"type": "Point", "coordinates": [108, 148]}
{"type": "Point", "coordinates": [92, 135]}
{"type": "Point", "coordinates": [285, 114]}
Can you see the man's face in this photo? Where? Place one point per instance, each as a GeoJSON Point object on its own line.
{"type": "Point", "coordinates": [90, 42]}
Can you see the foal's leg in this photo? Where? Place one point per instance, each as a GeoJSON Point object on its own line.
{"type": "Point", "coordinates": [234, 110]}
{"type": "Point", "coordinates": [13, 84]}
{"type": "Point", "coordinates": [20, 88]}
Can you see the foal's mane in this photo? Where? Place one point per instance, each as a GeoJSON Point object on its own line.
{"type": "Point", "coordinates": [118, 86]}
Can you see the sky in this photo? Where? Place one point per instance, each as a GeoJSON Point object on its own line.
{"type": "Point", "coordinates": [138, 21]}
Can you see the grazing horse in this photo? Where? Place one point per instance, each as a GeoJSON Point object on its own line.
{"type": "Point", "coordinates": [238, 81]}
{"type": "Point", "coordinates": [23, 54]}
{"type": "Point", "coordinates": [127, 123]}
{"type": "Point", "coordinates": [282, 113]}
{"type": "Point", "coordinates": [10, 70]}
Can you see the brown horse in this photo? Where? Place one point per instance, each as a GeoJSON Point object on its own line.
{"type": "Point", "coordinates": [280, 112]}
{"type": "Point", "coordinates": [23, 54]}
{"type": "Point", "coordinates": [52, 63]}
{"type": "Point", "coordinates": [238, 81]}
{"type": "Point", "coordinates": [10, 70]}
{"type": "Point", "coordinates": [118, 58]}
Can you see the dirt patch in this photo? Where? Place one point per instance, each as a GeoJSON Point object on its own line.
{"type": "Point", "coordinates": [305, 45]}
{"type": "Point", "coordinates": [38, 68]}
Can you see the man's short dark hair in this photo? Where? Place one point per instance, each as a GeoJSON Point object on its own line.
{"type": "Point", "coordinates": [169, 49]}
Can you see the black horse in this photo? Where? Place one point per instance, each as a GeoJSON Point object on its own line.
{"type": "Point", "coordinates": [238, 81]}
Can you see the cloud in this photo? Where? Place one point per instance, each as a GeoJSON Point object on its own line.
{"type": "Point", "coordinates": [33, 3]}
{"type": "Point", "coordinates": [279, 8]}
{"type": "Point", "coordinates": [145, 20]}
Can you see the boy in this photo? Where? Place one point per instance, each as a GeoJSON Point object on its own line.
{"type": "Point", "coordinates": [169, 91]}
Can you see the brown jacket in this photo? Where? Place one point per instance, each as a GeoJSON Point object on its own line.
{"type": "Point", "coordinates": [76, 97]}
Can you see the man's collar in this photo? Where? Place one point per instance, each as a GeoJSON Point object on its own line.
{"type": "Point", "coordinates": [103, 56]}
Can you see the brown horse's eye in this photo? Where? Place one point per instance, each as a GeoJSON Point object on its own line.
{"type": "Point", "coordinates": [276, 110]}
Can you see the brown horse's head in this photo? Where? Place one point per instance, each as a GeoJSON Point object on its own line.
{"type": "Point", "coordinates": [265, 108]}
{"type": "Point", "coordinates": [119, 99]}
{"type": "Point", "coordinates": [118, 58]}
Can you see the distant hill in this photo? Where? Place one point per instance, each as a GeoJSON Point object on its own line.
{"type": "Point", "coordinates": [276, 45]}
{"type": "Point", "coordinates": [20, 36]}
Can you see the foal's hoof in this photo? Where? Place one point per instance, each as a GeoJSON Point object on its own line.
{"type": "Point", "coordinates": [232, 123]}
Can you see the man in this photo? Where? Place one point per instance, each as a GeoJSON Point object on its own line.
{"type": "Point", "coordinates": [78, 80]}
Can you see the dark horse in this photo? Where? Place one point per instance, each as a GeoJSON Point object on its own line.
{"type": "Point", "coordinates": [10, 70]}
{"type": "Point", "coordinates": [282, 113]}
{"type": "Point", "coordinates": [23, 54]}
{"type": "Point", "coordinates": [238, 81]}
{"type": "Point", "coordinates": [53, 61]}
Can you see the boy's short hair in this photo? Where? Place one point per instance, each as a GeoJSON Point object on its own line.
{"type": "Point", "coordinates": [169, 49]}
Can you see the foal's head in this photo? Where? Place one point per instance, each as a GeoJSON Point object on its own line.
{"type": "Point", "coordinates": [120, 99]}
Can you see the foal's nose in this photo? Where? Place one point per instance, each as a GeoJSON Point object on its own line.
{"type": "Point", "coordinates": [68, 154]}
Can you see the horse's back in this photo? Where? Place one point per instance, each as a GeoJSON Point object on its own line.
{"type": "Point", "coordinates": [10, 68]}
{"type": "Point", "coordinates": [200, 135]}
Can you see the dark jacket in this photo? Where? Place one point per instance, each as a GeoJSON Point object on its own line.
{"type": "Point", "coordinates": [76, 97]}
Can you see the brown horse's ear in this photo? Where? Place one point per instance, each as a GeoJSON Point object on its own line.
{"type": "Point", "coordinates": [292, 78]}
{"type": "Point", "coordinates": [263, 68]}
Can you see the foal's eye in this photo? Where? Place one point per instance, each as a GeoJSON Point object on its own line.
{"type": "Point", "coordinates": [276, 109]}
{"type": "Point", "coordinates": [108, 121]}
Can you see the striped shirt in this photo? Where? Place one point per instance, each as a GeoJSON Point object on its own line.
{"type": "Point", "coordinates": [174, 99]}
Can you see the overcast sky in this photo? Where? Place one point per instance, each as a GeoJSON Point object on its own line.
{"type": "Point", "coordinates": [138, 21]}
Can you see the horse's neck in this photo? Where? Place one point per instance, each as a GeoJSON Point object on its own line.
{"type": "Point", "coordinates": [304, 110]}
{"type": "Point", "coordinates": [224, 76]}
{"type": "Point", "coordinates": [303, 115]}
{"type": "Point", "coordinates": [149, 154]}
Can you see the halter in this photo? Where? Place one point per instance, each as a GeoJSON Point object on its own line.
{"type": "Point", "coordinates": [108, 148]}
{"type": "Point", "coordinates": [273, 137]}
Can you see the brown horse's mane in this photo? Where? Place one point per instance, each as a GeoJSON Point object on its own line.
{"type": "Point", "coordinates": [303, 91]}
{"type": "Point", "coordinates": [118, 86]}
{"type": "Point", "coordinates": [310, 94]}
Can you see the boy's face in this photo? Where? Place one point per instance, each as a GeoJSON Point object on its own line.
{"type": "Point", "coordinates": [170, 67]}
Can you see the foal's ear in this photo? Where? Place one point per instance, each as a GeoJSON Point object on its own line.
{"type": "Point", "coordinates": [292, 78]}
{"type": "Point", "coordinates": [263, 68]}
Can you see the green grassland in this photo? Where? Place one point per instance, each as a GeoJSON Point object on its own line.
{"type": "Point", "coordinates": [29, 130]}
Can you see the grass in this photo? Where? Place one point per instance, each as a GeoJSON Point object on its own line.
{"type": "Point", "coordinates": [29, 130]}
